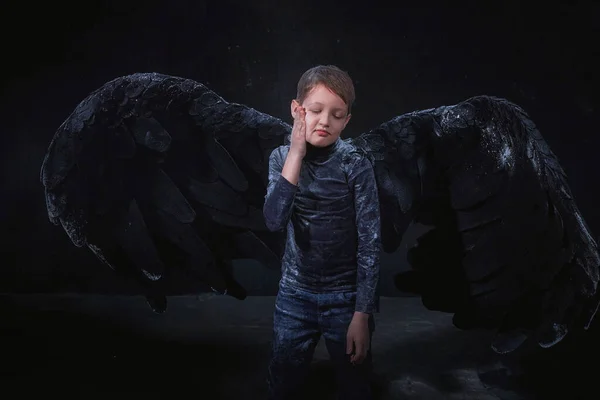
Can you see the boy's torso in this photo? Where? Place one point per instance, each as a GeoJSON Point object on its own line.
{"type": "Point", "coordinates": [321, 245]}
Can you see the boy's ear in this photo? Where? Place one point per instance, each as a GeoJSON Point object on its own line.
{"type": "Point", "coordinates": [294, 104]}
{"type": "Point", "coordinates": [347, 120]}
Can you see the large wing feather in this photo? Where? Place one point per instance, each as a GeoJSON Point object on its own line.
{"type": "Point", "coordinates": [153, 172]}
{"type": "Point", "coordinates": [509, 248]}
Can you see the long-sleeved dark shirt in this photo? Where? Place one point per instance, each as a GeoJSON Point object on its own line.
{"type": "Point", "coordinates": [332, 220]}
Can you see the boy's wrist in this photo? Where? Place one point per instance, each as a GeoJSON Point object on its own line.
{"type": "Point", "coordinates": [361, 316]}
{"type": "Point", "coordinates": [295, 154]}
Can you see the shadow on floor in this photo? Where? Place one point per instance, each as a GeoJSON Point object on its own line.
{"type": "Point", "coordinates": [70, 352]}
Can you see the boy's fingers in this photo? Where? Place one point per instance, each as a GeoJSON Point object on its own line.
{"type": "Point", "coordinates": [356, 359]}
{"type": "Point", "coordinates": [359, 357]}
{"type": "Point", "coordinates": [299, 115]}
{"type": "Point", "coordinates": [349, 345]}
{"type": "Point", "coordinates": [360, 354]}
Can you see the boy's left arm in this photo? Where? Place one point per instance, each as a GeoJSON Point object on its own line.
{"type": "Point", "coordinates": [368, 225]}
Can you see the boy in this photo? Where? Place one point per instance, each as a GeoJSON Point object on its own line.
{"type": "Point", "coordinates": [322, 190]}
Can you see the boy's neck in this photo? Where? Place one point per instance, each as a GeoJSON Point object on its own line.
{"type": "Point", "coordinates": [314, 152]}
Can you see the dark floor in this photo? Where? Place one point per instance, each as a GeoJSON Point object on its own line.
{"type": "Point", "coordinates": [216, 347]}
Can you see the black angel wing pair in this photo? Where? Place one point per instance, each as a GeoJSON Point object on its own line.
{"type": "Point", "coordinates": [158, 174]}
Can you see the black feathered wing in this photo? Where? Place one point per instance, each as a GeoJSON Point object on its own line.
{"type": "Point", "coordinates": [154, 172]}
{"type": "Point", "coordinates": [509, 248]}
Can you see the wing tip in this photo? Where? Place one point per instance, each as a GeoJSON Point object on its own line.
{"type": "Point", "coordinates": [158, 303]}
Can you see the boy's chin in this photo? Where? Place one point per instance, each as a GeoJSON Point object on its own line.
{"type": "Point", "coordinates": [321, 141]}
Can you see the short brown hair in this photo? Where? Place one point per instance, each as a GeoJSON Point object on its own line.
{"type": "Point", "coordinates": [332, 77]}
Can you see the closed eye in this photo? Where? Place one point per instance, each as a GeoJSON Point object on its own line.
{"type": "Point", "coordinates": [335, 116]}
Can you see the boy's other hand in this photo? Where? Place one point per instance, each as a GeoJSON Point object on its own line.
{"type": "Point", "coordinates": [298, 139]}
{"type": "Point", "coordinates": [357, 338]}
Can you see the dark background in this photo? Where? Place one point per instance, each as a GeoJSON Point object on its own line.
{"type": "Point", "coordinates": [402, 58]}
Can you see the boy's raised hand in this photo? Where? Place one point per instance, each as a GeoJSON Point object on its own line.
{"type": "Point", "coordinates": [298, 139]}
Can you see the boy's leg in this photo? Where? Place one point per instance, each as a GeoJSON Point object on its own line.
{"type": "Point", "coordinates": [295, 336]}
{"type": "Point", "coordinates": [353, 381]}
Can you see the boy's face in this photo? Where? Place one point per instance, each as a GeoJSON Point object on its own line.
{"type": "Point", "coordinates": [326, 116]}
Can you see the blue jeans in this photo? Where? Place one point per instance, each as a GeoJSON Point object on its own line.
{"type": "Point", "coordinates": [299, 320]}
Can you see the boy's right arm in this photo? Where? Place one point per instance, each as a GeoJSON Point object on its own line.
{"type": "Point", "coordinates": [281, 189]}
{"type": "Point", "coordinates": [283, 181]}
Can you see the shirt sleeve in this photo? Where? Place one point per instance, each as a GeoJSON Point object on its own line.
{"type": "Point", "coordinates": [279, 199]}
{"type": "Point", "coordinates": [361, 178]}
